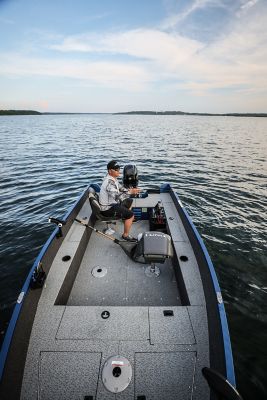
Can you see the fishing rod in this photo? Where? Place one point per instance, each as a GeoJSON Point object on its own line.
{"type": "Point", "coordinates": [127, 247]}
{"type": "Point", "coordinates": [98, 231]}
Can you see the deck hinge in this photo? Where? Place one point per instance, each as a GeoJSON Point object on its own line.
{"type": "Point", "coordinates": [20, 298]}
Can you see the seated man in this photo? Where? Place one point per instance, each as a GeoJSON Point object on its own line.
{"type": "Point", "coordinates": [114, 199]}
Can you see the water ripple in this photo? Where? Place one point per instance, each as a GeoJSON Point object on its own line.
{"type": "Point", "coordinates": [216, 164]}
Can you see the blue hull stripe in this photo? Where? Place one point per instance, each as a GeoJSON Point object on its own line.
{"type": "Point", "coordinates": [225, 331]}
{"type": "Point", "coordinates": [18, 306]}
{"type": "Point", "coordinates": [24, 290]}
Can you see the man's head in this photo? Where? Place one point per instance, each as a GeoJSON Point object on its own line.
{"type": "Point", "coordinates": [113, 168]}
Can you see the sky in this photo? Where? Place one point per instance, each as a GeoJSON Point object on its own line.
{"type": "Point", "coordinates": [126, 55]}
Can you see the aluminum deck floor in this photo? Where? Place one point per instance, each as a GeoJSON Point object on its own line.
{"type": "Point", "coordinates": [125, 282]}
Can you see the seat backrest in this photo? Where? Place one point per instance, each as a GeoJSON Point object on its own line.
{"type": "Point", "coordinates": [153, 247]}
{"type": "Point", "coordinates": [94, 203]}
{"type": "Point", "coordinates": [95, 206]}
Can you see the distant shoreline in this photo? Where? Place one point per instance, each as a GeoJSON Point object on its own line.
{"type": "Point", "coordinates": [19, 112]}
{"type": "Point", "coordinates": [31, 112]}
{"type": "Point", "coordinates": [188, 113]}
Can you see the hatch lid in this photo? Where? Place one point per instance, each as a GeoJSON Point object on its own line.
{"type": "Point", "coordinates": [68, 375]}
{"type": "Point", "coordinates": [165, 375]}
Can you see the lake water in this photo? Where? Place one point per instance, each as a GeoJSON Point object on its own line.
{"type": "Point", "coordinates": [216, 164]}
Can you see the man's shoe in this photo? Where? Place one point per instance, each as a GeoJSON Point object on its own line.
{"type": "Point", "coordinates": [129, 238]}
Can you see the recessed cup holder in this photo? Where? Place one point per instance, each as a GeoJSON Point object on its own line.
{"type": "Point", "coordinates": [183, 258]}
{"type": "Point", "coordinates": [66, 258]}
{"type": "Point", "coordinates": [116, 372]}
{"type": "Point", "coordinates": [99, 271]}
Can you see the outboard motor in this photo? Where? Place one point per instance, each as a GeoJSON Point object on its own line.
{"type": "Point", "coordinates": [130, 176]}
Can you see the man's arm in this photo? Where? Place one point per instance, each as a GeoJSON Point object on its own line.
{"type": "Point", "coordinates": [114, 192]}
{"type": "Point", "coordinates": [127, 192]}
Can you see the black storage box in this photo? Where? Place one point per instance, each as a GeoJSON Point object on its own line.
{"type": "Point", "coordinates": [157, 220]}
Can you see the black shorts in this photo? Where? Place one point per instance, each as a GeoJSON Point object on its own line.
{"type": "Point", "coordinates": [120, 210]}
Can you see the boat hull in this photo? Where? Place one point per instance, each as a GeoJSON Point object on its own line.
{"type": "Point", "coordinates": [173, 323]}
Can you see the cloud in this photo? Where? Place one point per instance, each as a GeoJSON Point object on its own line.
{"type": "Point", "coordinates": [147, 44]}
{"type": "Point", "coordinates": [248, 4]}
{"type": "Point", "coordinates": [139, 59]}
{"type": "Point", "coordinates": [107, 74]}
{"type": "Point", "coordinates": [238, 58]}
{"type": "Point", "coordinates": [173, 20]}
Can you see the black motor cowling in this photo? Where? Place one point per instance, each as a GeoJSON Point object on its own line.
{"type": "Point", "coordinates": [130, 176]}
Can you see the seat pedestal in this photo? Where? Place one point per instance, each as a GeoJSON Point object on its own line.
{"type": "Point", "coordinates": [152, 271]}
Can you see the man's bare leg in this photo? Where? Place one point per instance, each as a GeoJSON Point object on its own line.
{"type": "Point", "coordinates": [127, 226]}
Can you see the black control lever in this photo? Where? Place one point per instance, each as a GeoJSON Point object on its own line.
{"type": "Point", "coordinates": [59, 223]}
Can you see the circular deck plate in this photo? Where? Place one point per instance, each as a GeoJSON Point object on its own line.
{"type": "Point", "coordinates": [99, 272]}
{"type": "Point", "coordinates": [116, 374]}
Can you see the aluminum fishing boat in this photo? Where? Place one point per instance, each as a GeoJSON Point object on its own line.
{"type": "Point", "coordinates": [101, 318]}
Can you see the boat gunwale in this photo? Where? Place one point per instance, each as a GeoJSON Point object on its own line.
{"type": "Point", "coordinates": [18, 309]}
{"type": "Point", "coordinates": [189, 226]}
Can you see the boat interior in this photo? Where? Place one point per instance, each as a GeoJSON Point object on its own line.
{"type": "Point", "coordinates": [108, 327]}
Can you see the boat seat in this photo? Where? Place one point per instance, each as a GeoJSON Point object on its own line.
{"type": "Point", "coordinates": [96, 210]}
{"type": "Point", "coordinates": [153, 247]}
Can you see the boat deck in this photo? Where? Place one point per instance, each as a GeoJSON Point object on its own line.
{"type": "Point", "coordinates": [125, 282]}
{"type": "Point", "coordinates": [164, 339]}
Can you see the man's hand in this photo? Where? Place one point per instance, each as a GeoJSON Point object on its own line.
{"type": "Point", "coordinates": [134, 191]}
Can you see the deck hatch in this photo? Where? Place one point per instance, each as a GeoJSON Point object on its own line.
{"type": "Point", "coordinates": [68, 375]}
{"type": "Point", "coordinates": [165, 375]}
{"type": "Point", "coordinates": [176, 329]}
{"type": "Point", "coordinates": [117, 374]}
{"type": "Point", "coordinates": [85, 322]}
